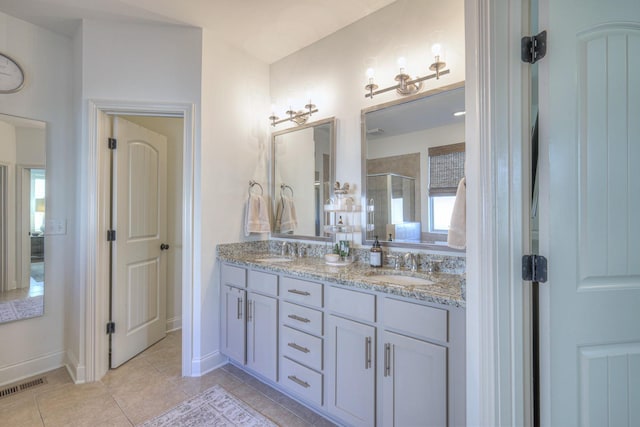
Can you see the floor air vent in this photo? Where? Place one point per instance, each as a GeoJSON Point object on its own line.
{"type": "Point", "coordinates": [17, 388]}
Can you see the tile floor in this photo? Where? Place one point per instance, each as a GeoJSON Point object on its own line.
{"type": "Point", "coordinates": [144, 387]}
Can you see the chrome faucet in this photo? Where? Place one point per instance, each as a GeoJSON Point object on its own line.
{"type": "Point", "coordinates": [411, 261]}
{"type": "Point", "coordinates": [284, 251]}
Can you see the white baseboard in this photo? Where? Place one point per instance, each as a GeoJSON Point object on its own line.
{"type": "Point", "coordinates": [29, 368]}
{"type": "Point", "coordinates": [75, 370]}
{"type": "Point", "coordinates": [174, 324]}
{"type": "Point", "coordinates": [208, 363]}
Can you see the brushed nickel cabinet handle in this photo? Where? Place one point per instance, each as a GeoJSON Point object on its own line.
{"type": "Point", "coordinates": [298, 318]}
{"type": "Point", "coordinates": [239, 308]}
{"type": "Point", "coordinates": [367, 352]}
{"type": "Point", "coordinates": [387, 360]}
{"type": "Point", "coordinates": [298, 381]}
{"type": "Point", "coordinates": [297, 292]}
{"type": "Point", "coordinates": [298, 347]}
{"type": "Point", "coordinates": [249, 310]}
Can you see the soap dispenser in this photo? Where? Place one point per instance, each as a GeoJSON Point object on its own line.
{"type": "Point", "coordinates": [375, 256]}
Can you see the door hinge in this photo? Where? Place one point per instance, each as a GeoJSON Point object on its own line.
{"type": "Point", "coordinates": [111, 328]}
{"type": "Point", "coordinates": [113, 143]}
{"type": "Point", "coordinates": [533, 48]}
{"type": "Point", "coordinates": [534, 268]}
{"type": "Point", "coordinates": [111, 235]}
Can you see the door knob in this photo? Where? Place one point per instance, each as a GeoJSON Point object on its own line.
{"type": "Point", "coordinates": [164, 247]}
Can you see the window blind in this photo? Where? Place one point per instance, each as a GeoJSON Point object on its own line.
{"type": "Point", "coordinates": [446, 168]}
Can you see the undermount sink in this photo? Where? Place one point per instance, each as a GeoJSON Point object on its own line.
{"type": "Point", "coordinates": [399, 279]}
{"type": "Point", "coordinates": [274, 259]}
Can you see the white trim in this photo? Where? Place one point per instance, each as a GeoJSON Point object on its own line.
{"type": "Point", "coordinates": [95, 340]}
{"type": "Point", "coordinates": [29, 368]}
{"type": "Point", "coordinates": [74, 368]}
{"type": "Point", "coordinates": [174, 324]}
{"type": "Point", "coordinates": [495, 323]}
{"type": "Point", "coordinates": [208, 363]}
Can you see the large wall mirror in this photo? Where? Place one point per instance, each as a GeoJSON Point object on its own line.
{"type": "Point", "coordinates": [22, 217]}
{"type": "Point", "coordinates": [302, 170]}
{"type": "Point", "coordinates": [413, 159]}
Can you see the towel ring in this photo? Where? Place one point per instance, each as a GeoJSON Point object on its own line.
{"type": "Point", "coordinates": [252, 183]}
{"type": "Point", "coordinates": [283, 187]}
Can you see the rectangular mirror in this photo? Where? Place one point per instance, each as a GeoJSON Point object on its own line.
{"type": "Point", "coordinates": [412, 161]}
{"type": "Point", "coordinates": [22, 217]}
{"type": "Point", "coordinates": [302, 170]}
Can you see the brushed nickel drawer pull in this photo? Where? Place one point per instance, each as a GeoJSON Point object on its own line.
{"type": "Point", "coordinates": [297, 292]}
{"type": "Point", "coordinates": [367, 352]}
{"type": "Point", "coordinates": [298, 347]}
{"type": "Point", "coordinates": [298, 381]}
{"type": "Point", "coordinates": [298, 318]}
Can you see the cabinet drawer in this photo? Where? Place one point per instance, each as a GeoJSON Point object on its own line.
{"type": "Point", "coordinates": [235, 276]}
{"type": "Point", "coordinates": [263, 282]}
{"type": "Point", "coordinates": [303, 318]}
{"type": "Point", "coordinates": [415, 319]}
{"type": "Point", "coordinates": [301, 347]}
{"type": "Point", "coordinates": [302, 291]}
{"type": "Point", "coordinates": [353, 304]}
{"type": "Point", "coordinates": [301, 380]}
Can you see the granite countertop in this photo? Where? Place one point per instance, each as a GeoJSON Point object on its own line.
{"type": "Point", "coordinates": [448, 288]}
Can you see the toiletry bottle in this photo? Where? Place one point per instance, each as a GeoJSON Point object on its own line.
{"type": "Point", "coordinates": [375, 256]}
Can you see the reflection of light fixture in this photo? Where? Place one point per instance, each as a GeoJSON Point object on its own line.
{"type": "Point", "coordinates": [459, 113]}
{"type": "Point", "coordinates": [299, 117]}
{"type": "Point", "coordinates": [39, 205]}
{"type": "Point", "coordinates": [406, 85]}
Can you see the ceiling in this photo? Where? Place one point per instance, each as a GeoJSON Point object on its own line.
{"type": "Point", "coordinates": [266, 29]}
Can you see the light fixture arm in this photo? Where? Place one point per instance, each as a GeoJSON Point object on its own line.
{"type": "Point", "coordinates": [405, 83]}
{"type": "Point", "coordinates": [298, 118]}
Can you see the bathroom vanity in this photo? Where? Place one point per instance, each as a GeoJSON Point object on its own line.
{"type": "Point", "coordinates": [359, 345]}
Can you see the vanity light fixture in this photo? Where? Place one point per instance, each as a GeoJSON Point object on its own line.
{"type": "Point", "coordinates": [406, 85]}
{"type": "Point", "coordinates": [299, 117]}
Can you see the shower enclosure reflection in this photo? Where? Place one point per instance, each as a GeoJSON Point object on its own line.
{"type": "Point", "coordinates": [22, 217]}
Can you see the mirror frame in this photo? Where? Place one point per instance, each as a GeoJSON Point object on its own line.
{"type": "Point", "coordinates": [332, 172]}
{"type": "Point", "coordinates": [363, 157]}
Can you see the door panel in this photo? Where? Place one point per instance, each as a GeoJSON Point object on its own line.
{"type": "Point", "coordinates": [589, 205]}
{"type": "Point", "coordinates": [139, 218]}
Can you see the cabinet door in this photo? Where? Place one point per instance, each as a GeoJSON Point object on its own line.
{"type": "Point", "coordinates": [414, 388]}
{"type": "Point", "coordinates": [262, 337]}
{"type": "Point", "coordinates": [351, 371]}
{"type": "Point", "coordinates": [233, 323]}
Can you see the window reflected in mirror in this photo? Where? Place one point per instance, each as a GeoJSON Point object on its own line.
{"type": "Point", "coordinates": [413, 152]}
{"type": "Point", "coordinates": [22, 218]}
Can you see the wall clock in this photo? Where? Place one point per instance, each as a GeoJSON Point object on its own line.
{"type": "Point", "coordinates": [11, 75]}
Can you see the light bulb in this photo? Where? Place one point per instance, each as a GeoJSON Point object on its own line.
{"type": "Point", "coordinates": [370, 74]}
{"type": "Point", "coordinates": [436, 49]}
{"type": "Point", "coordinates": [402, 63]}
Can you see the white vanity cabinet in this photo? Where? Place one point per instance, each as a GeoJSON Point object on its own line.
{"type": "Point", "coordinates": [362, 358]}
{"type": "Point", "coordinates": [249, 319]}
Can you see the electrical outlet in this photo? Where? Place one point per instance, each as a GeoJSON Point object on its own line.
{"type": "Point", "coordinates": [54, 227]}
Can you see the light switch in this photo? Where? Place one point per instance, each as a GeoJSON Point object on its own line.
{"type": "Point", "coordinates": [54, 227]}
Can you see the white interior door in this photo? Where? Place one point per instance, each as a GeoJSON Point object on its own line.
{"type": "Point", "coordinates": [139, 218]}
{"type": "Point", "coordinates": [589, 211]}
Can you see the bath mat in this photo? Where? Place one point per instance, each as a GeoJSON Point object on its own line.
{"type": "Point", "coordinates": [213, 407]}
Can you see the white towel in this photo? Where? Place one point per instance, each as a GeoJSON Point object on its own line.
{"type": "Point", "coordinates": [457, 237]}
{"type": "Point", "coordinates": [287, 219]}
{"type": "Point", "coordinates": [256, 215]}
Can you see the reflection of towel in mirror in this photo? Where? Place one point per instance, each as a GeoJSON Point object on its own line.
{"type": "Point", "coordinates": [286, 215]}
{"type": "Point", "coordinates": [256, 215]}
{"type": "Point", "coordinates": [457, 237]}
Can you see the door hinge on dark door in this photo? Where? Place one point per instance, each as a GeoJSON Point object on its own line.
{"type": "Point", "coordinates": [534, 268]}
{"type": "Point", "coordinates": [111, 235]}
{"type": "Point", "coordinates": [533, 48]}
{"type": "Point", "coordinates": [113, 143]}
{"type": "Point", "coordinates": [111, 328]}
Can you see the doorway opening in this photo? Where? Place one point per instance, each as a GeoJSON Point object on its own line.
{"type": "Point", "coordinates": [180, 271]}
